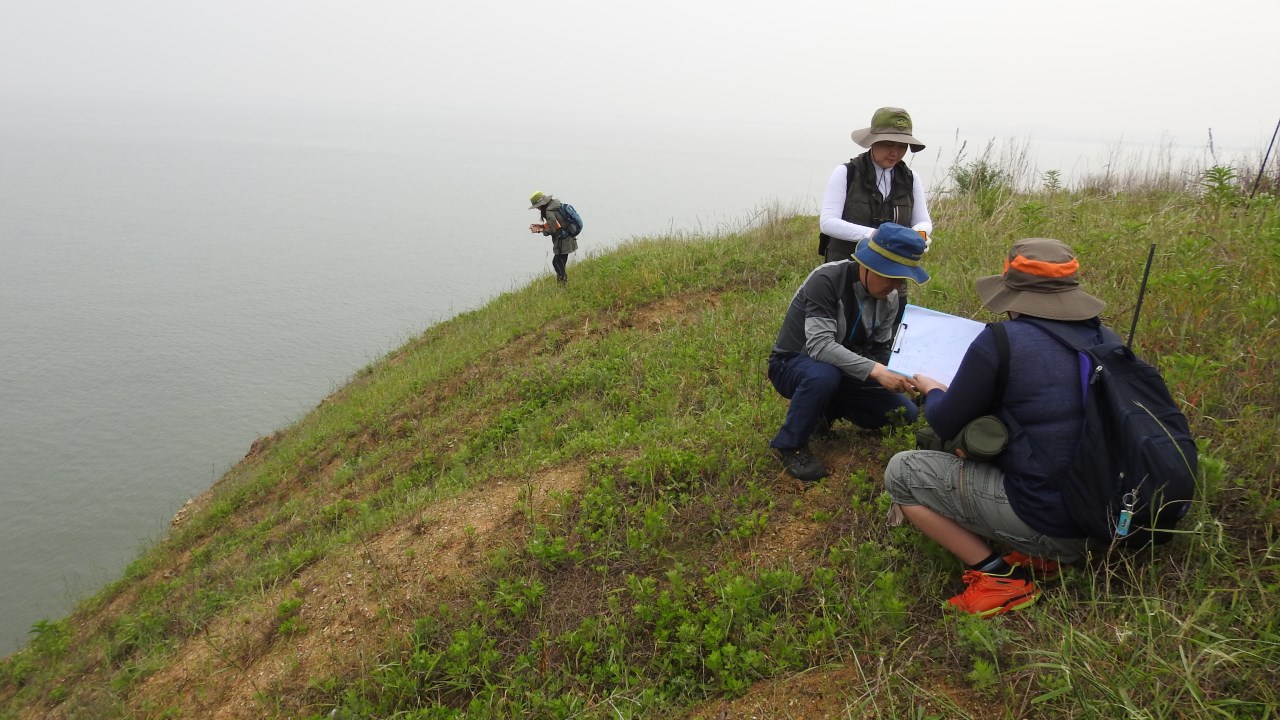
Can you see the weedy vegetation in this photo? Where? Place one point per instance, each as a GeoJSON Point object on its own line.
{"type": "Point", "coordinates": [562, 505]}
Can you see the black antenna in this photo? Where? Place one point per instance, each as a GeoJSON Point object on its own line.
{"type": "Point", "coordinates": [1265, 158]}
{"type": "Point", "coordinates": [1141, 292]}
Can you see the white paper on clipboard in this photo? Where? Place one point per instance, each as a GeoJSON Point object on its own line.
{"type": "Point", "coordinates": [932, 343]}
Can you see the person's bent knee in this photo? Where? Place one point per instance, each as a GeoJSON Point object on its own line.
{"type": "Point", "coordinates": [822, 378]}
{"type": "Point", "coordinates": [896, 478]}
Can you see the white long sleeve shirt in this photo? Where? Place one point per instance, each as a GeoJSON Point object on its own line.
{"type": "Point", "coordinates": [832, 221]}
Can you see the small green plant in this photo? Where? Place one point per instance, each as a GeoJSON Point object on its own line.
{"type": "Point", "coordinates": [749, 525]}
{"type": "Point", "coordinates": [1034, 219]}
{"type": "Point", "coordinates": [288, 621]}
{"type": "Point", "coordinates": [1219, 189]}
{"type": "Point", "coordinates": [50, 638]}
{"type": "Point", "coordinates": [1052, 181]}
{"type": "Point", "coordinates": [549, 549]}
{"type": "Point", "coordinates": [985, 639]}
{"type": "Point", "coordinates": [978, 177]}
{"type": "Point", "coordinates": [519, 598]}
{"type": "Point", "coordinates": [983, 676]}
{"type": "Point", "coordinates": [899, 435]}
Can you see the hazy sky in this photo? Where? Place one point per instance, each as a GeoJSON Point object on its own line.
{"type": "Point", "coordinates": [1087, 70]}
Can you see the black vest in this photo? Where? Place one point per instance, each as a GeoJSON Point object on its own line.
{"type": "Point", "coordinates": [863, 204]}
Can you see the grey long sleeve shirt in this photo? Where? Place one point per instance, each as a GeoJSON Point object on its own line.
{"type": "Point", "coordinates": [832, 318]}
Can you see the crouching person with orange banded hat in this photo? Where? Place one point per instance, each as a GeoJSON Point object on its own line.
{"type": "Point", "coordinates": [963, 503]}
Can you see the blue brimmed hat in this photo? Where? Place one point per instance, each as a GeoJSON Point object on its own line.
{"type": "Point", "coordinates": [894, 252]}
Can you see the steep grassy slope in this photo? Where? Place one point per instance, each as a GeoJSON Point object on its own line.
{"type": "Point", "coordinates": [563, 505]}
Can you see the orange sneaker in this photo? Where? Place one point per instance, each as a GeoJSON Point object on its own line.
{"type": "Point", "coordinates": [989, 594]}
{"type": "Point", "coordinates": [1040, 568]}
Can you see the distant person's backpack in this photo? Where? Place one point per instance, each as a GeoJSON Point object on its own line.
{"type": "Point", "coordinates": [1133, 473]}
{"type": "Point", "coordinates": [573, 226]}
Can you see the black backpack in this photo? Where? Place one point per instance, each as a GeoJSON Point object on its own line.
{"type": "Point", "coordinates": [1133, 473]}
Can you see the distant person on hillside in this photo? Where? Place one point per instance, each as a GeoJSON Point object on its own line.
{"type": "Point", "coordinates": [829, 358]}
{"type": "Point", "coordinates": [874, 188]}
{"type": "Point", "coordinates": [557, 224]}
{"type": "Point", "coordinates": [962, 503]}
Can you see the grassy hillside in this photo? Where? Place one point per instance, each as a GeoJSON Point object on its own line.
{"type": "Point", "coordinates": [562, 505]}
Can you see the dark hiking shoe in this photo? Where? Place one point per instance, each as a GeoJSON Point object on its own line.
{"type": "Point", "coordinates": [800, 464]}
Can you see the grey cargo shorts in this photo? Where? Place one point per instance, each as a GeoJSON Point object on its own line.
{"type": "Point", "coordinates": [972, 494]}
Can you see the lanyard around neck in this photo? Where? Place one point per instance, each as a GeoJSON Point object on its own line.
{"type": "Point", "coordinates": [857, 321]}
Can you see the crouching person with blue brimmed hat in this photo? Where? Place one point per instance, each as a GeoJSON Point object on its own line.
{"type": "Point", "coordinates": [830, 355]}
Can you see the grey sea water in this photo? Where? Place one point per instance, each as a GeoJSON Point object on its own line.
{"type": "Point", "coordinates": [178, 278]}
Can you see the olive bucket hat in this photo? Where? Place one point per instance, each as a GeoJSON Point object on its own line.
{"type": "Point", "coordinates": [891, 124]}
{"type": "Point", "coordinates": [539, 198]}
{"type": "Point", "coordinates": [1041, 278]}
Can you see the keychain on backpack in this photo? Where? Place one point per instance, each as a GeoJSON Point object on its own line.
{"type": "Point", "coordinates": [1126, 514]}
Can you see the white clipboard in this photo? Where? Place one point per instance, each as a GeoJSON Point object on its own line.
{"type": "Point", "coordinates": [932, 343]}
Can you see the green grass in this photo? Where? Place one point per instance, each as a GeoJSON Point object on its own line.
{"type": "Point", "coordinates": [684, 568]}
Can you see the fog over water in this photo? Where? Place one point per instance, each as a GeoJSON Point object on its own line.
{"type": "Point", "coordinates": [179, 276]}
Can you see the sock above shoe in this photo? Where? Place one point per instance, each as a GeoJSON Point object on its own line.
{"type": "Point", "coordinates": [993, 564]}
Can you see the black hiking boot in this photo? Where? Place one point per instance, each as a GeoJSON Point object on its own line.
{"type": "Point", "coordinates": [801, 464]}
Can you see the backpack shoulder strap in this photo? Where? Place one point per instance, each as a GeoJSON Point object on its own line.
{"type": "Point", "coordinates": [1002, 368]}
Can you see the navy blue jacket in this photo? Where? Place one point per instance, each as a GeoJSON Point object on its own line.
{"type": "Point", "coordinates": [1043, 395]}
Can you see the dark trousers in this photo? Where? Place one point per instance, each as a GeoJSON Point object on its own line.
{"type": "Point", "coordinates": [557, 263]}
{"type": "Point", "coordinates": [816, 389]}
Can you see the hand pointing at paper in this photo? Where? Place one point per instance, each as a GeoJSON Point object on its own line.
{"type": "Point", "coordinates": [924, 384]}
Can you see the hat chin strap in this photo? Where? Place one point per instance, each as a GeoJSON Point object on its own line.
{"type": "Point", "coordinates": [863, 278]}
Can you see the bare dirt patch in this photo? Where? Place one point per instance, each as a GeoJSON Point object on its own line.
{"type": "Point", "coordinates": [354, 604]}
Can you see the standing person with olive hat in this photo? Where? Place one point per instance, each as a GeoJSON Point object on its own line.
{"type": "Point", "coordinates": [830, 356]}
{"type": "Point", "coordinates": [874, 188]}
{"type": "Point", "coordinates": [554, 221]}
{"type": "Point", "coordinates": [962, 503]}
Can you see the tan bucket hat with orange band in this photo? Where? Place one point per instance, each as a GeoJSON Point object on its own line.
{"type": "Point", "coordinates": [1041, 278]}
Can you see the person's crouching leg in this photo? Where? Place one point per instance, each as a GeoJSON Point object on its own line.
{"type": "Point", "coordinates": [925, 487]}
